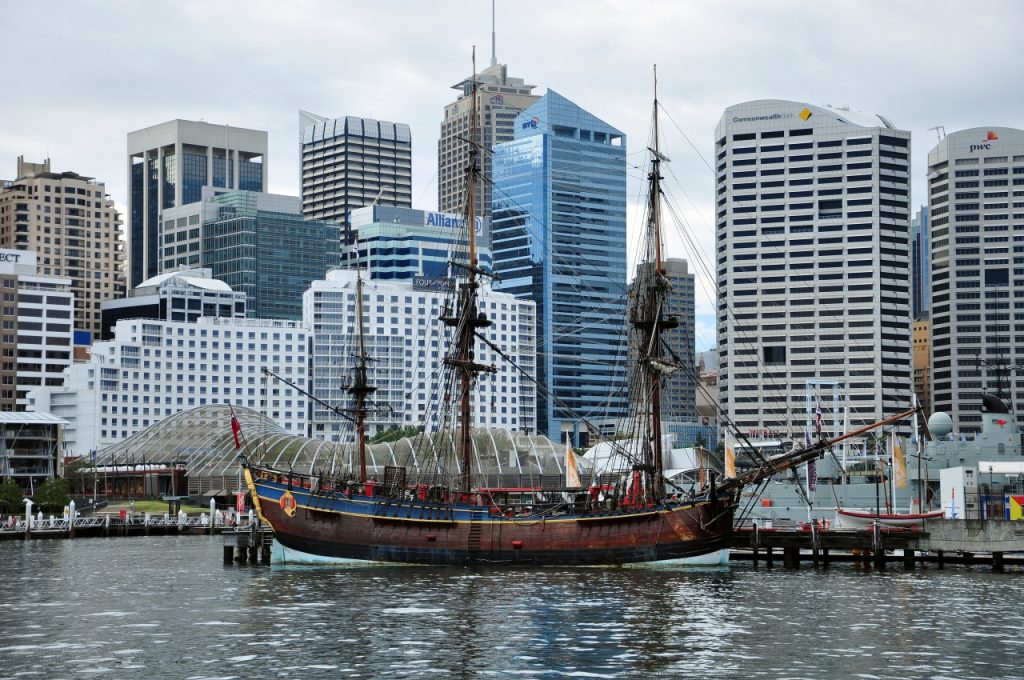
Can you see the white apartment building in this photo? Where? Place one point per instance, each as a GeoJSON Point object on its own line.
{"type": "Point", "coordinates": [976, 206]}
{"type": "Point", "coordinates": [153, 369]}
{"type": "Point", "coordinates": [812, 236]}
{"type": "Point", "coordinates": [407, 343]}
{"type": "Point", "coordinates": [36, 316]}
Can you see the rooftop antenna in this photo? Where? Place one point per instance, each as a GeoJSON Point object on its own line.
{"type": "Point", "coordinates": [940, 131]}
{"type": "Point", "coordinates": [494, 55]}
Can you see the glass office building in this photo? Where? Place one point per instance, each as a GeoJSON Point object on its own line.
{"type": "Point", "coordinates": [559, 238]}
{"type": "Point", "coordinates": [168, 166]}
{"type": "Point", "coordinates": [260, 244]}
{"type": "Point", "coordinates": [405, 243]}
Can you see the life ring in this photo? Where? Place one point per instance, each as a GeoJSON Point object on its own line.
{"type": "Point", "coordinates": [288, 503]}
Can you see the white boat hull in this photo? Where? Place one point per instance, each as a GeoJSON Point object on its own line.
{"type": "Point", "coordinates": [849, 519]}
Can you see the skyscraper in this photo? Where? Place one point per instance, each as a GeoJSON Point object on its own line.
{"type": "Point", "coordinates": [258, 244]}
{"type": "Point", "coordinates": [170, 163]}
{"type": "Point", "coordinates": [559, 239]}
{"type": "Point", "coordinates": [72, 225]}
{"type": "Point", "coordinates": [813, 251]}
{"type": "Point", "coordinates": [499, 100]}
{"type": "Point", "coordinates": [976, 204]}
{"type": "Point", "coordinates": [349, 163]}
{"type": "Point", "coordinates": [678, 397]}
{"type": "Point", "coordinates": [920, 261]}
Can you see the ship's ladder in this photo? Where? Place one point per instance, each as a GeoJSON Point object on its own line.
{"type": "Point", "coordinates": [474, 536]}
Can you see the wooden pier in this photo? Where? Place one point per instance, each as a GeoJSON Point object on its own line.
{"type": "Point", "coordinates": [18, 528]}
{"type": "Point", "coordinates": [250, 545]}
{"type": "Point", "coordinates": [941, 542]}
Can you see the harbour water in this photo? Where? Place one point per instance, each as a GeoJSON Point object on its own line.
{"type": "Point", "coordinates": [167, 607]}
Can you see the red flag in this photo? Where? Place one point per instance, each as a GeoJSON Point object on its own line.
{"type": "Point", "coordinates": [235, 429]}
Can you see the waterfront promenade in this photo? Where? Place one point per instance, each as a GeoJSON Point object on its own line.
{"type": "Point", "coordinates": [120, 524]}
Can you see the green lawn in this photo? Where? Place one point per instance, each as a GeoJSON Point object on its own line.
{"type": "Point", "coordinates": [151, 507]}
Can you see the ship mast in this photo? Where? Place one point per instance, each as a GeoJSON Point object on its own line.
{"type": "Point", "coordinates": [652, 291]}
{"type": "Point", "coordinates": [360, 387]}
{"type": "Point", "coordinates": [466, 320]}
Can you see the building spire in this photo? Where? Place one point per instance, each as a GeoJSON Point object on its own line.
{"type": "Point", "coordinates": [494, 54]}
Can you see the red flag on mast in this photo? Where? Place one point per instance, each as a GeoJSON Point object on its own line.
{"type": "Point", "coordinates": [235, 429]}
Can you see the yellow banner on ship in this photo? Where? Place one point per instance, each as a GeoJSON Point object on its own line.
{"type": "Point", "coordinates": [1016, 507]}
{"type": "Point", "coordinates": [899, 462]}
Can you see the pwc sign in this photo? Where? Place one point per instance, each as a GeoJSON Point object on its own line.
{"type": "Point", "coordinates": [990, 137]}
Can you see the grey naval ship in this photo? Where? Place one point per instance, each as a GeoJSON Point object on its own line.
{"type": "Point", "coordinates": [864, 483]}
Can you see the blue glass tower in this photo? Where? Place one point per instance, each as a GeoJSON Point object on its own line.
{"type": "Point", "coordinates": [559, 238]}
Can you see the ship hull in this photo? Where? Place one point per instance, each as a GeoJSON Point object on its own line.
{"type": "Point", "coordinates": [331, 527]}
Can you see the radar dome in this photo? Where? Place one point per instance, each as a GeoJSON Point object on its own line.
{"type": "Point", "coordinates": [940, 425]}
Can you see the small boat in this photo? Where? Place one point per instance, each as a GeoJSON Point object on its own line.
{"type": "Point", "coordinates": [861, 519]}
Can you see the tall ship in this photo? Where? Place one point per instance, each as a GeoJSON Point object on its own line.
{"type": "Point", "coordinates": [435, 504]}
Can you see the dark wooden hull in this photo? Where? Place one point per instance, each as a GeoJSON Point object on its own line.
{"type": "Point", "coordinates": [334, 526]}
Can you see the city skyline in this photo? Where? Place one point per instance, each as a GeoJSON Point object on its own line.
{"type": "Point", "coordinates": [247, 76]}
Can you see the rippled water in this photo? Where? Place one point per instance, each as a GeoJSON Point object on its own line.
{"type": "Point", "coordinates": [166, 607]}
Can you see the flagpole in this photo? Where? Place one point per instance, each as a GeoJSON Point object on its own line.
{"type": "Point", "coordinates": [892, 468]}
{"type": "Point", "coordinates": [920, 454]}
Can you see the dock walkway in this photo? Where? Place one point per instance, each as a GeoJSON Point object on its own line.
{"type": "Point", "coordinates": [993, 542]}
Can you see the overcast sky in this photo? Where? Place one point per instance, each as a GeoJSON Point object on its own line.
{"type": "Point", "coordinates": [80, 75]}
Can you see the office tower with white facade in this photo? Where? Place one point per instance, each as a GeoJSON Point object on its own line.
{"type": "Point", "coordinates": [558, 237]}
{"type": "Point", "coordinates": [404, 243]}
{"type": "Point", "coordinates": [72, 225]}
{"type": "Point", "coordinates": [812, 234]}
{"type": "Point", "coordinates": [153, 369]}
{"type": "Point", "coordinates": [36, 335]}
{"type": "Point", "coordinates": [976, 204]}
{"type": "Point", "coordinates": [407, 342]}
{"type": "Point", "coordinates": [168, 166]}
{"type": "Point", "coordinates": [351, 162]}
{"type": "Point", "coordinates": [499, 100]}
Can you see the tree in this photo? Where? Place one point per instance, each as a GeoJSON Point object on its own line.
{"type": "Point", "coordinates": [52, 495]}
{"type": "Point", "coordinates": [11, 497]}
{"type": "Point", "coordinates": [393, 434]}
{"type": "Point", "coordinates": [77, 478]}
